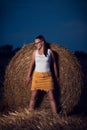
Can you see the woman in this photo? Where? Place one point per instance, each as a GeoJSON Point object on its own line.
{"type": "Point", "coordinates": [42, 57]}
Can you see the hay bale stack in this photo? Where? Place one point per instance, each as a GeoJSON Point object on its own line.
{"type": "Point", "coordinates": [17, 95]}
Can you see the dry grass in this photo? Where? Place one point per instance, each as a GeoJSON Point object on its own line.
{"type": "Point", "coordinates": [40, 120]}
{"type": "Point", "coordinates": [67, 93]}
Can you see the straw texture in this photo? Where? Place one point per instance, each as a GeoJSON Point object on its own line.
{"type": "Point", "coordinates": [41, 120]}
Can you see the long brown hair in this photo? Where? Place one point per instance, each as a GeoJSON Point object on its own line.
{"type": "Point", "coordinates": [41, 37]}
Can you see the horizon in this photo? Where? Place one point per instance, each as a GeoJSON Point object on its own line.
{"type": "Point", "coordinates": [19, 47]}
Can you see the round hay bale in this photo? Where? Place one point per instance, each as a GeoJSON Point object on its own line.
{"type": "Point", "coordinates": [70, 75]}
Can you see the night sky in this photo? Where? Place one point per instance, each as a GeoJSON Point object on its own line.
{"type": "Point", "coordinates": [60, 21]}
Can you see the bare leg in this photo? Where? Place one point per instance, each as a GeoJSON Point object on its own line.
{"type": "Point", "coordinates": [33, 99]}
{"type": "Point", "coordinates": [52, 101]}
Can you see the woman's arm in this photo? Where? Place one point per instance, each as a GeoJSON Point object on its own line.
{"type": "Point", "coordinates": [31, 67]}
{"type": "Point", "coordinates": [54, 66]}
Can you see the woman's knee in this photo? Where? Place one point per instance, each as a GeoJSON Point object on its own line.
{"type": "Point", "coordinates": [33, 95]}
{"type": "Point", "coordinates": [50, 95]}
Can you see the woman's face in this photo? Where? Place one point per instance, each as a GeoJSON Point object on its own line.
{"type": "Point", "coordinates": [38, 43]}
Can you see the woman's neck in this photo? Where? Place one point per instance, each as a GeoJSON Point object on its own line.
{"type": "Point", "coordinates": [41, 51]}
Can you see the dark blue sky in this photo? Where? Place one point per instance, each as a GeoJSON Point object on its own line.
{"type": "Point", "coordinates": [60, 21]}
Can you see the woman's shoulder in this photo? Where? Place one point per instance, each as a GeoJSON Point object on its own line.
{"type": "Point", "coordinates": [34, 51]}
{"type": "Point", "coordinates": [49, 50]}
{"type": "Point", "coordinates": [33, 54]}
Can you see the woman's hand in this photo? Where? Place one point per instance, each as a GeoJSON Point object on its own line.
{"type": "Point", "coordinates": [57, 79]}
{"type": "Point", "coordinates": [28, 80]}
